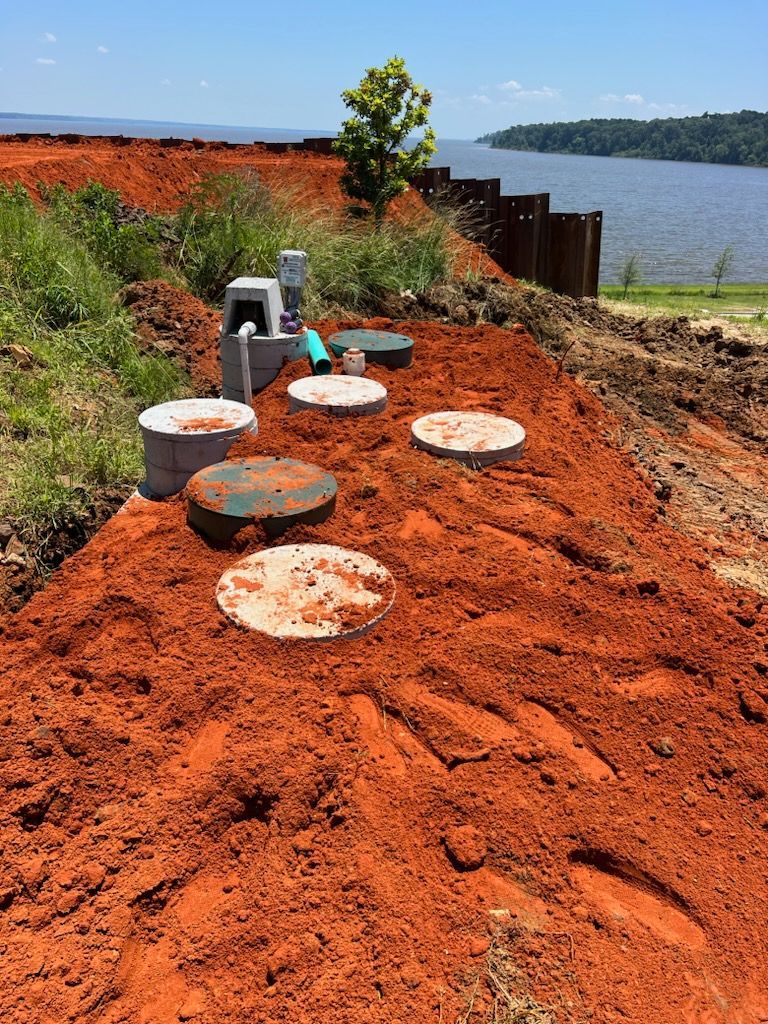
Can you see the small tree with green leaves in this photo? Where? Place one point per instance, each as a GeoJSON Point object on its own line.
{"type": "Point", "coordinates": [722, 267]}
{"type": "Point", "coordinates": [630, 273]}
{"type": "Point", "coordinates": [387, 107]}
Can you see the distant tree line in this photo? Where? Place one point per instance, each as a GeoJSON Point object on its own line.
{"type": "Point", "coordinates": [712, 138]}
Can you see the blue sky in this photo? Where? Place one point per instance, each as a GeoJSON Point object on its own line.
{"type": "Point", "coordinates": [489, 63]}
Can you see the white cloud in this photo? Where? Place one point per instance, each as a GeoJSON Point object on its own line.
{"type": "Point", "coordinates": [49, 37]}
{"type": "Point", "coordinates": [165, 81]}
{"type": "Point", "coordinates": [628, 97]}
{"type": "Point", "coordinates": [546, 92]}
{"type": "Point", "coordinates": [203, 84]}
{"type": "Point", "coordinates": [44, 60]}
{"type": "Point", "coordinates": [481, 98]}
{"type": "Point", "coordinates": [517, 92]}
{"type": "Point", "coordinates": [636, 100]}
{"type": "Point", "coordinates": [669, 108]}
{"type": "Point", "coordinates": [102, 49]}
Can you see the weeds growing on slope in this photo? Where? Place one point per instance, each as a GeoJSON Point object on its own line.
{"type": "Point", "coordinates": [127, 242]}
{"type": "Point", "coordinates": [72, 378]}
{"type": "Point", "coordinates": [232, 225]}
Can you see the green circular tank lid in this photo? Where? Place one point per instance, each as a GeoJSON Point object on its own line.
{"type": "Point", "coordinates": [383, 347]}
{"type": "Point", "coordinates": [225, 497]}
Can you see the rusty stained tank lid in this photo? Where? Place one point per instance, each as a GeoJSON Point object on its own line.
{"type": "Point", "coordinates": [262, 488]}
{"type": "Point", "coordinates": [307, 592]}
{"type": "Point", "coordinates": [475, 438]}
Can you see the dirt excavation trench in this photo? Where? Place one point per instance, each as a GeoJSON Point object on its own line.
{"type": "Point", "coordinates": [539, 782]}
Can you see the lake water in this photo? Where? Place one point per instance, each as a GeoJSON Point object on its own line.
{"type": "Point", "coordinates": [151, 129]}
{"type": "Point", "coordinates": [678, 216]}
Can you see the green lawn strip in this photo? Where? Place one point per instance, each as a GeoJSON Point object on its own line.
{"type": "Point", "coordinates": [694, 299]}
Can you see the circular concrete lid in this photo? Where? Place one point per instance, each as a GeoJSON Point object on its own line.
{"type": "Point", "coordinates": [337, 395]}
{"type": "Point", "coordinates": [476, 438]}
{"type": "Point", "coordinates": [263, 488]}
{"type": "Point", "coordinates": [384, 347]}
{"type": "Point", "coordinates": [307, 592]}
{"type": "Point", "coordinates": [189, 418]}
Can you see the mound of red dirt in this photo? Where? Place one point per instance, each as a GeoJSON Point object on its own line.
{"type": "Point", "coordinates": [156, 178]}
{"type": "Point", "coordinates": [543, 772]}
{"type": "Point", "coordinates": [180, 325]}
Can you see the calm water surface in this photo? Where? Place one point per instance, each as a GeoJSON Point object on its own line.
{"type": "Point", "coordinates": [678, 216]}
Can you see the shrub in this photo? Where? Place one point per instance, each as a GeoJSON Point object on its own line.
{"type": "Point", "coordinates": [387, 107]}
{"type": "Point", "coordinates": [94, 214]}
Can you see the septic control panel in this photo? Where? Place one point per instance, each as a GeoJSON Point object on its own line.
{"type": "Point", "coordinates": [292, 268]}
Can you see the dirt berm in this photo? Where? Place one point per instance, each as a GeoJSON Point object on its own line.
{"type": "Point", "coordinates": [539, 782]}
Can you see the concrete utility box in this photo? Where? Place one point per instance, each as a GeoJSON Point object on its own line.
{"type": "Point", "coordinates": [253, 298]}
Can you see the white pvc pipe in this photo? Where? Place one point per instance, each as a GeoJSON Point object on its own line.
{"type": "Point", "coordinates": [245, 333]}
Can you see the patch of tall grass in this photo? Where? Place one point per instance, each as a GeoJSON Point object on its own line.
{"type": "Point", "coordinates": [230, 226]}
{"type": "Point", "coordinates": [234, 226]}
{"type": "Point", "coordinates": [127, 242]}
{"type": "Point", "coordinates": [72, 377]}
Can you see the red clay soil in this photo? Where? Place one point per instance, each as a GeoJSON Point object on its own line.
{"type": "Point", "coordinates": [180, 325]}
{"type": "Point", "coordinates": [549, 758]}
{"type": "Point", "coordinates": [158, 179]}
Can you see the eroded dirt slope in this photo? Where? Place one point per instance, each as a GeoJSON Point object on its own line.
{"type": "Point", "coordinates": [157, 179]}
{"type": "Point", "coordinates": [553, 749]}
{"type": "Point", "coordinates": [690, 398]}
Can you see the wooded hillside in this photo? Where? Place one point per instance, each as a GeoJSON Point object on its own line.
{"type": "Point", "coordinates": [711, 138]}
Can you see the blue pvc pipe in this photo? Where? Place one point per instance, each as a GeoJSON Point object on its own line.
{"type": "Point", "coordinates": [319, 359]}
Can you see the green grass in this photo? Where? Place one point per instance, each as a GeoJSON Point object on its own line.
{"type": "Point", "coordinates": [72, 377]}
{"type": "Point", "coordinates": [693, 299]}
{"type": "Point", "coordinates": [233, 226]}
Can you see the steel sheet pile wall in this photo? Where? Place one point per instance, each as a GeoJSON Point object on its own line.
{"type": "Point", "coordinates": [559, 250]}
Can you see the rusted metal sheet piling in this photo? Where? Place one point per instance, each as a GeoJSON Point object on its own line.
{"type": "Point", "coordinates": [559, 250]}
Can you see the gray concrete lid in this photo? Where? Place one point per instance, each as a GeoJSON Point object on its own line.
{"type": "Point", "coordinates": [338, 392]}
{"type": "Point", "coordinates": [252, 282]}
{"type": "Point", "coordinates": [307, 592]}
{"type": "Point", "coordinates": [465, 435]}
{"type": "Point", "coordinates": [193, 418]}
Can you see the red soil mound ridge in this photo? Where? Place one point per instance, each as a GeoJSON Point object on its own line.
{"type": "Point", "coordinates": [158, 179]}
{"type": "Point", "coordinates": [554, 746]}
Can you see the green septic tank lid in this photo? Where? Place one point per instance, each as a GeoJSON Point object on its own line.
{"type": "Point", "coordinates": [225, 497]}
{"type": "Point", "coordinates": [383, 347]}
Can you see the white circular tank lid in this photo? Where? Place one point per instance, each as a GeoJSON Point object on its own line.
{"type": "Point", "coordinates": [473, 437]}
{"type": "Point", "coordinates": [307, 592]}
{"type": "Point", "coordinates": [191, 417]}
{"type": "Point", "coordinates": [336, 393]}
